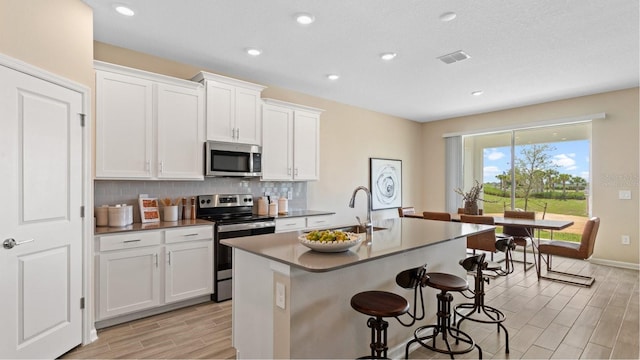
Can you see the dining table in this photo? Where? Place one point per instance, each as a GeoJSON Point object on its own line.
{"type": "Point", "coordinates": [529, 224]}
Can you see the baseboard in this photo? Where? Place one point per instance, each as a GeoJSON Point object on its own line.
{"type": "Point", "coordinates": [150, 312]}
{"type": "Point", "coordinates": [618, 264]}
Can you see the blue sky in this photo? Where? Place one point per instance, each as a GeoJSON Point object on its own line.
{"type": "Point", "coordinates": [571, 157]}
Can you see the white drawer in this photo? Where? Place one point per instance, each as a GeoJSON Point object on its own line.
{"type": "Point", "coordinates": [190, 233]}
{"type": "Point", "coordinates": [320, 221]}
{"type": "Point", "coordinates": [291, 224]}
{"type": "Point", "coordinates": [130, 240]}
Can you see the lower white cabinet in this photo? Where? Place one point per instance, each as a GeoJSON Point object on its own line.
{"type": "Point", "coordinates": [184, 277]}
{"type": "Point", "coordinates": [129, 281]}
{"type": "Point", "coordinates": [303, 223]}
{"type": "Point", "coordinates": [146, 269]}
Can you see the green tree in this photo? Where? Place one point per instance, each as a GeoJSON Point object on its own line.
{"type": "Point", "coordinates": [551, 176]}
{"type": "Point", "coordinates": [579, 182]}
{"type": "Point", "coordinates": [564, 179]}
{"type": "Point", "coordinates": [533, 161]}
{"type": "Point", "coordinates": [505, 180]}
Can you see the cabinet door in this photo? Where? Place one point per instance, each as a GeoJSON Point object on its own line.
{"type": "Point", "coordinates": [180, 124]}
{"type": "Point", "coordinates": [129, 281]}
{"type": "Point", "coordinates": [124, 117]}
{"type": "Point", "coordinates": [306, 146]}
{"type": "Point", "coordinates": [220, 111]}
{"type": "Point", "coordinates": [277, 141]}
{"type": "Point", "coordinates": [189, 270]}
{"type": "Point", "coordinates": [248, 120]}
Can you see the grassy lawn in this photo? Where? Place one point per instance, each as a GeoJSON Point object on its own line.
{"type": "Point", "coordinates": [554, 206]}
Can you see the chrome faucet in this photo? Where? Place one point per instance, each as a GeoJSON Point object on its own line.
{"type": "Point", "coordinates": [368, 225]}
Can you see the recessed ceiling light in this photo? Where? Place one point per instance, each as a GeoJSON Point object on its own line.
{"type": "Point", "coordinates": [333, 77]}
{"type": "Point", "coordinates": [254, 51]}
{"type": "Point", "coordinates": [388, 56]}
{"type": "Point", "coordinates": [447, 16]}
{"type": "Point", "coordinates": [477, 93]}
{"type": "Point", "coordinates": [305, 18]}
{"type": "Point", "coordinates": [124, 10]}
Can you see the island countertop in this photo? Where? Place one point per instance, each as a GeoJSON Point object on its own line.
{"type": "Point", "coordinates": [397, 236]}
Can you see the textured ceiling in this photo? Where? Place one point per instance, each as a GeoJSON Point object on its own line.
{"type": "Point", "coordinates": [522, 52]}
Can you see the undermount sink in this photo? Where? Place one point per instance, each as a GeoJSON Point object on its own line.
{"type": "Point", "coordinates": [357, 229]}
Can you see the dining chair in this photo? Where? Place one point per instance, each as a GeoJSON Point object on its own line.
{"type": "Point", "coordinates": [436, 215]}
{"type": "Point", "coordinates": [485, 241]}
{"type": "Point", "coordinates": [582, 250]}
{"type": "Point", "coordinates": [409, 210]}
{"type": "Point", "coordinates": [522, 236]}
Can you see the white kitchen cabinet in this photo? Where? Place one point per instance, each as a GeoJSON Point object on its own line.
{"type": "Point", "coordinates": [290, 141]}
{"type": "Point", "coordinates": [143, 270]}
{"type": "Point", "coordinates": [189, 263]}
{"type": "Point", "coordinates": [148, 126]}
{"type": "Point", "coordinates": [184, 275]}
{"type": "Point", "coordinates": [129, 280]}
{"type": "Point", "coordinates": [304, 223]}
{"type": "Point", "coordinates": [232, 109]}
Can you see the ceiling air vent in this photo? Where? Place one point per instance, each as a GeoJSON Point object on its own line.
{"type": "Point", "coordinates": [454, 57]}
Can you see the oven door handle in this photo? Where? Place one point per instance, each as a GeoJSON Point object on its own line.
{"type": "Point", "coordinates": [245, 226]}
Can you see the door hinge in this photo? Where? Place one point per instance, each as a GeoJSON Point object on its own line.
{"type": "Point", "coordinates": [81, 303]}
{"type": "Point", "coordinates": [81, 211]}
{"type": "Point", "coordinates": [82, 117]}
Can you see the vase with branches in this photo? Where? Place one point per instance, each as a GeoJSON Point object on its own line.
{"type": "Point", "coordinates": [471, 197]}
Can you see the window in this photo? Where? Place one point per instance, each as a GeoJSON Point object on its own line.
{"type": "Point", "coordinates": [542, 169]}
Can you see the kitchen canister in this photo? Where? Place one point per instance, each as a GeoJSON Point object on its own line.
{"type": "Point", "coordinates": [102, 215]}
{"type": "Point", "coordinates": [263, 207]}
{"type": "Point", "coordinates": [117, 216]}
{"type": "Point", "coordinates": [283, 205]}
{"type": "Point", "coordinates": [273, 209]}
{"type": "Point", "coordinates": [171, 213]}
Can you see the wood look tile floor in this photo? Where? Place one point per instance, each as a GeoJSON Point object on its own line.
{"type": "Point", "coordinates": [545, 320]}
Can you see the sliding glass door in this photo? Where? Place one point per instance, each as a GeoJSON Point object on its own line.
{"type": "Point", "coordinates": [543, 169]}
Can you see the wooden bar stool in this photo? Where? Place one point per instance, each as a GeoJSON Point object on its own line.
{"type": "Point", "coordinates": [384, 304]}
{"type": "Point", "coordinates": [478, 311]}
{"type": "Point", "coordinates": [445, 283]}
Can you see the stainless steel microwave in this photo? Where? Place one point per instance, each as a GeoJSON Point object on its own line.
{"type": "Point", "coordinates": [232, 159]}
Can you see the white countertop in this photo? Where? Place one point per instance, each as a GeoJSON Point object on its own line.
{"type": "Point", "coordinates": [400, 235]}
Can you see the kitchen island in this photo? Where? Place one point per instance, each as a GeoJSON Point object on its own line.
{"type": "Point", "coordinates": [292, 302]}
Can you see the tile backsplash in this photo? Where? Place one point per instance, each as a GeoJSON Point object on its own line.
{"type": "Point", "coordinates": [110, 192]}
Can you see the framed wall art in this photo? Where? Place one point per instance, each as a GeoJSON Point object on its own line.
{"type": "Point", "coordinates": [385, 183]}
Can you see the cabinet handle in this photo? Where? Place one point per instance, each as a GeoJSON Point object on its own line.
{"type": "Point", "coordinates": [237, 133]}
{"type": "Point", "coordinates": [233, 133]}
{"type": "Point", "coordinates": [131, 241]}
{"type": "Point", "coordinates": [156, 260]}
{"type": "Point", "coordinates": [169, 257]}
{"type": "Point", "coordinates": [296, 173]}
{"type": "Point", "coordinates": [194, 234]}
{"type": "Point", "coordinates": [161, 165]}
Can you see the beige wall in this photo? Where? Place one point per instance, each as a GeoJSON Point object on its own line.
{"type": "Point", "coordinates": [56, 36]}
{"type": "Point", "coordinates": [615, 160]}
{"type": "Point", "coordinates": [348, 137]}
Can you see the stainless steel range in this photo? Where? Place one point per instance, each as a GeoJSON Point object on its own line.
{"type": "Point", "coordinates": [233, 217]}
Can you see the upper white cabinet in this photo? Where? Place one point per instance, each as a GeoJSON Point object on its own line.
{"type": "Point", "coordinates": [290, 141]}
{"type": "Point", "coordinates": [232, 109]}
{"type": "Point", "coordinates": [148, 126]}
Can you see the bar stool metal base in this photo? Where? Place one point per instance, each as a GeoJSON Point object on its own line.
{"type": "Point", "coordinates": [444, 330]}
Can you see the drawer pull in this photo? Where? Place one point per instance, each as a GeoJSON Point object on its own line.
{"type": "Point", "coordinates": [131, 241]}
{"type": "Point", "coordinates": [194, 234]}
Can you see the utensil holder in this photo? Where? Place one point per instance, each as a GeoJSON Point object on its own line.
{"type": "Point", "coordinates": [171, 213]}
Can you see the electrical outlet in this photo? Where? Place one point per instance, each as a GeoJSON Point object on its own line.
{"type": "Point", "coordinates": [280, 299]}
{"type": "Point", "coordinates": [624, 194]}
{"type": "Point", "coordinates": [626, 240]}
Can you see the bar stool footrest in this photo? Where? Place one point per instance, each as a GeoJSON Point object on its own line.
{"type": "Point", "coordinates": [455, 334]}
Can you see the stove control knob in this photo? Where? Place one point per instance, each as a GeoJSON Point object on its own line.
{"type": "Point", "coordinates": [202, 201]}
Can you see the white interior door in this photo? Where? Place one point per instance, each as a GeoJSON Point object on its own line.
{"type": "Point", "coordinates": [41, 195]}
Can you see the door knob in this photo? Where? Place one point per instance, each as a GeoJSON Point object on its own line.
{"type": "Point", "coordinates": [11, 242]}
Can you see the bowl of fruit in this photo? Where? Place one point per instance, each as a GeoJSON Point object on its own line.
{"type": "Point", "coordinates": [329, 240]}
